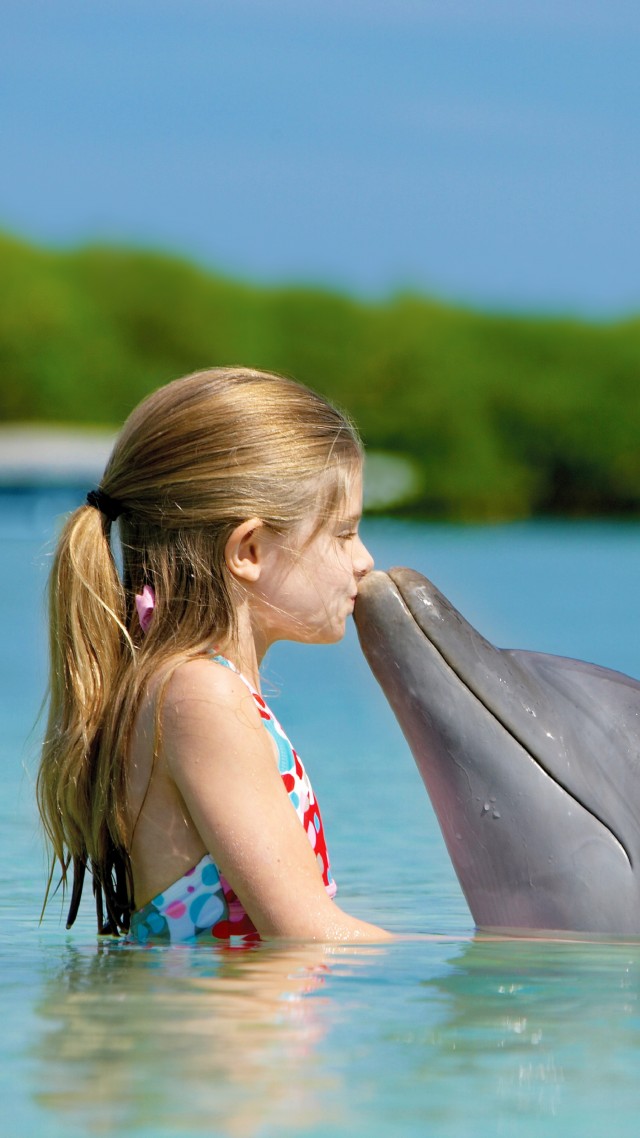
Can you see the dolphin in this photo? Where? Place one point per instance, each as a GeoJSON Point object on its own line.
{"type": "Point", "coordinates": [531, 761]}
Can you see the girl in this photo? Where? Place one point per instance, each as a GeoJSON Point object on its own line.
{"type": "Point", "coordinates": [238, 495]}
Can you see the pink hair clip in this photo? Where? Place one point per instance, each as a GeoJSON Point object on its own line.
{"type": "Point", "coordinates": [145, 604]}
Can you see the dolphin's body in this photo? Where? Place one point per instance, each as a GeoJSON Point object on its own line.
{"type": "Point", "coordinates": [532, 762]}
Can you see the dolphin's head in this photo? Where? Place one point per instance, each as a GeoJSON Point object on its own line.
{"type": "Point", "coordinates": [532, 762]}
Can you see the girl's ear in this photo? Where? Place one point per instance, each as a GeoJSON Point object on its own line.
{"type": "Point", "coordinates": [242, 552]}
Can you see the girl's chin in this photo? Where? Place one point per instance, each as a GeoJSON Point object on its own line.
{"type": "Point", "coordinates": [327, 635]}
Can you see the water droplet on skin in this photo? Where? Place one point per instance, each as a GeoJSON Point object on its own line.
{"type": "Point", "coordinates": [496, 813]}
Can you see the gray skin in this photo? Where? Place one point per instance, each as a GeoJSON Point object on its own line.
{"type": "Point", "coordinates": [531, 762]}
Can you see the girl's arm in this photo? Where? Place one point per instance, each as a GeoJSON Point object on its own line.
{"type": "Point", "coordinates": [223, 764]}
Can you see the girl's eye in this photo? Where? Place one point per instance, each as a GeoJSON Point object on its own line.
{"type": "Point", "coordinates": [347, 536]}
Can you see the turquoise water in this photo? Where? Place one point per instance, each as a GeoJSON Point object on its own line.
{"type": "Point", "coordinates": [439, 1034]}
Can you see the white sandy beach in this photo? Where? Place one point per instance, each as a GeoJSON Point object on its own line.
{"type": "Point", "coordinates": [41, 453]}
{"type": "Point", "coordinates": [45, 455]}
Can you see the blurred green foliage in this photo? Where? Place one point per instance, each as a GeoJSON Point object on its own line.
{"type": "Point", "coordinates": [507, 416]}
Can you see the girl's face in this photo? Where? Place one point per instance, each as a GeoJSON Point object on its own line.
{"type": "Point", "coordinates": [309, 580]}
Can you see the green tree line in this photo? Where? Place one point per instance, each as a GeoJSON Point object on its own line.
{"type": "Point", "coordinates": [504, 415]}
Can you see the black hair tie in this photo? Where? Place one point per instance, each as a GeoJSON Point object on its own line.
{"type": "Point", "coordinates": [110, 507]}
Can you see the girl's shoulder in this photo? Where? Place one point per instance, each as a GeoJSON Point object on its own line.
{"type": "Point", "coordinates": [204, 688]}
{"type": "Point", "coordinates": [207, 670]}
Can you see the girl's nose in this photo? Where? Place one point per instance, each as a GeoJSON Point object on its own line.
{"type": "Point", "coordinates": [362, 560]}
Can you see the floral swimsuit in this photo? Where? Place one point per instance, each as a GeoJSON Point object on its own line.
{"type": "Point", "coordinates": [201, 905]}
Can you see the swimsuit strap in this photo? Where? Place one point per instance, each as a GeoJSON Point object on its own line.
{"type": "Point", "coordinates": [295, 779]}
{"type": "Point", "coordinates": [227, 663]}
{"type": "Point", "coordinates": [286, 754]}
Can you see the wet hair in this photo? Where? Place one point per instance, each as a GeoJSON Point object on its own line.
{"type": "Point", "coordinates": [194, 460]}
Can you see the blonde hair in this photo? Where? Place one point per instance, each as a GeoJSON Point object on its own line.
{"type": "Point", "coordinates": [193, 461]}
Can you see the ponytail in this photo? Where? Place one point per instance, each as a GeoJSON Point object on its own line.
{"type": "Point", "coordinates": [89, 644]}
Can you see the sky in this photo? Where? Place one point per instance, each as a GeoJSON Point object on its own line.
{"type": "Point", "coordinates": [481, 151]}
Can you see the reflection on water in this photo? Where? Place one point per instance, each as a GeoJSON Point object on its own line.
{"type": "Point", "coordinates": [483, 1037]}
{"type": "Point", "coordinates": [186, 1039]}
{"type": "Point", "coordinates": [532, 1031]}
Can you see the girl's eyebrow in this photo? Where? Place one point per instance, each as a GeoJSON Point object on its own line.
{"type": "Point", "coordinates": [354, 520]}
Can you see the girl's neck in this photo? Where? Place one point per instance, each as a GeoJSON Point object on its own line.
{"type": "Point", "coordinates": [244, 650]}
